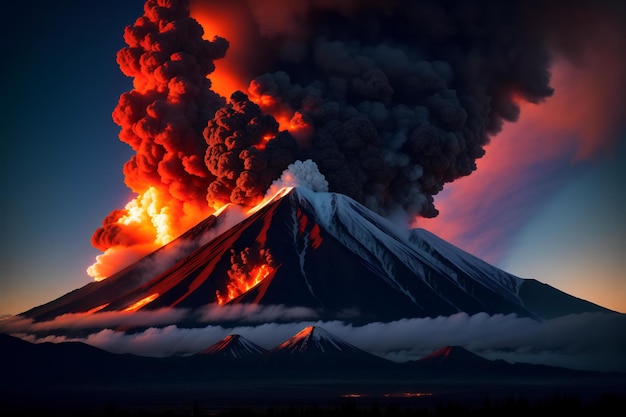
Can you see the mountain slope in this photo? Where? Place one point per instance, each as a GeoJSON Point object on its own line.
{"type": "Point", "coordinates": [314, 340]}
{"type": "Point", "coordinates": [322, 251]}
{"type": "Point", "coordinates": [318, 352]}
{"type": "Point", "coordinates": [545, 301]}
{"type": "Point", "coordinates": [76, 377]}
{"type": "Point", "coordinates": [234, 346]}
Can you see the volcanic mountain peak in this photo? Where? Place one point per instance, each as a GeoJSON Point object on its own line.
{"type": "Point", "coordinates": [453, 356]}
{"type": "Point", "coordinates": [320, 251]}
{"type": "Point", "coordinates": [316, 339]}
{"type": "Point", "coordinates": [234, 346]}
{"type": "Point", "coordinates": [449, 352]}
{"type": "Point", "coordinates": [386, 245]}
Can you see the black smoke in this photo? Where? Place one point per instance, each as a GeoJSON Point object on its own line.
{"type": "Point", "coordinates": [402, 96]}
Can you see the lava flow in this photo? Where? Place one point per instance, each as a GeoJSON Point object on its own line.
{"type": "Point", "coordinates": [241, 282]}
{"type": "Point", "coordinates": [139, 304]}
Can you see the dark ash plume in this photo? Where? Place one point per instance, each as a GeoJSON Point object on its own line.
{"type": "Point", "coordinates": [245, 152]}
{"type": "Point", "coordinates": [402, 96]}
{"type": "Point", "coordinates": [392, 100]}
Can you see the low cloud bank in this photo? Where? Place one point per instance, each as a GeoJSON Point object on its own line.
{"type": "Point", "coordinates": [593, 341]}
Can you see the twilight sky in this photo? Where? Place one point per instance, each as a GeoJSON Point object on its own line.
{"type": "Point", "coordinates": [546, 201]}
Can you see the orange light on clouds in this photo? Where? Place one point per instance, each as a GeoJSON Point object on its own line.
{"type": "Point", "coordinates": [229, 75]}
{"type": "Point", "coordinates": [151, 210]}
{"type": "Point", "coordinates": [231, 72]}
{"type": "Point", "coordinates": [573, 125]}
{"type": "Point", "coordinates": [153, 217]}
{"type": "Point", "coordinates": [579, 124]}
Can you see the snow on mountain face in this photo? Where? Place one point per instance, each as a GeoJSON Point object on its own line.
{"type": "Point", "coordinates": [234, 346]}
{"type": "Point", "coordinates": [384, 245]}
{"type": "Point", "coordinates": [314, 339]}
{"type": "Point", "coordinates": [315, 250]}
{"type": "Point", "coordinates": [444, 253]}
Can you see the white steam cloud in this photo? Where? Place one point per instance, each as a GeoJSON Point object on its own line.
{"type": "Point", "coordinates": [300, 174]}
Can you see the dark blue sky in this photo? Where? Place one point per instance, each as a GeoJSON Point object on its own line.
{"type": "Point", "coordinates": [61, 159]}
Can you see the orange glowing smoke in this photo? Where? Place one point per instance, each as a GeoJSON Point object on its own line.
{"type": "Point", "coordinates": [161, 119]}
{"type": "Point", "coordinates": [229, 75]}
{"type": "Point", "coordinates": [287, 118]}
{"type": "Point", "coordinates": [231, 72]}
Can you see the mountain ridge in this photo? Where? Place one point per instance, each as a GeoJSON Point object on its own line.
{"type": "Point", "coordinates": [321, 251]}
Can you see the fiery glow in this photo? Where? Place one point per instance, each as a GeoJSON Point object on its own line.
{"type": "Point", "coordinates": [150, 210]}
{"type": "Point", "coordinates": [139, 304]}
{"type": "Point", "coordinates": [162, 120]}
{"type": "Point", "coordinates": [287, 118]}
{"type": "Point", "coordinates": [313, 235]}
{"type": "Point", "coordinates": [266, 138]}
{"type": "Point", "coordinates": [96, 309]}
{"type": "Point", "coordinates": [241, 282]}
{"type": "Point", "coordinates": [153, 219]}
{"type": "Point", "coordinates": [272, 194]}
{"type": "Point", "coordinates": [229, 75]}
{"type": "Point", "coordinates": [230, 72]}
{"type": "Point", "coordinates": [409, 394]}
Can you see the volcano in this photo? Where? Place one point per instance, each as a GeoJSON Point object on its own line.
{"type": "Point", "coordinates": [234, 346]}
{"type": "Point", "coordinates": [320, 251]}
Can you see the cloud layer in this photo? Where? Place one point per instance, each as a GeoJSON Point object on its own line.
{"type": "Point", "coordinates": [582, 341]}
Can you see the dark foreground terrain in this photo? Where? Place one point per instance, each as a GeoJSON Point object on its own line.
{"type": "Point", "coordinates": [304, 396]}
{"type": "Point", "coordinates": [485, 405]}
{"type": "Point", "coordinates": [75, 379]}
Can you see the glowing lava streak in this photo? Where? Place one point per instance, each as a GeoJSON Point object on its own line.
{"type": "Point", "coordinates": [162, 119]}
{"type": "Point", "coordinates": [96, 309]}
{"type": "Point", "coordinates": [271, 195]}
{"type": "Point", "coordinates": [142, 302]}
{"type": "Point", "coordinates": [241, 282]}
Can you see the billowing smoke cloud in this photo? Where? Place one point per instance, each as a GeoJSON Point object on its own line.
{"type": "Point", "coordinates": [582, 341]}
{"type": "Point", "coordinates": [245, 152]}
{"type": "Point", "coordinates": [162, 120]}
{"type": "Point", "coordinates": [391, 100]}
{"type": "Point", "coordinates": [300, 174]}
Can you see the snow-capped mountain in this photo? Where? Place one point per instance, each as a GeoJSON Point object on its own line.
{"type": "Point", "coordinates": [316, 351]}
{"type": "Point", "coordinates": [314, 339]}
{"type": "Point", "coordinates": [321, 251]}
{"type": "Point", "coordinates": [234, 346]}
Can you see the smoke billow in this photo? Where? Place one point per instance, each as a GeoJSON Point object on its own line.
{"type": "Point", "coordinates": [393, 99]}
{"type": "Point", "coordinates": [162, 120]}
{"type": "Point", "coordinates": [390, 100]}
{"type": "Point", "coordinates": [245, 152]}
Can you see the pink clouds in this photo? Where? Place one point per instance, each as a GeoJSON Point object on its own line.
{"type": "Point", "coordinates": [528, 159]}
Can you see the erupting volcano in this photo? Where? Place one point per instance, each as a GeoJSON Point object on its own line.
{"type": "Point", "coordinates": [387, 119]}
{"type": "Point", "coordinates": [320, 251]}
{"type": "Point", "coordinates": [282, 155]}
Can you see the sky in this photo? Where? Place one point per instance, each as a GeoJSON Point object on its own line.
{"type": "Point", "coordinates": [545, 202]}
